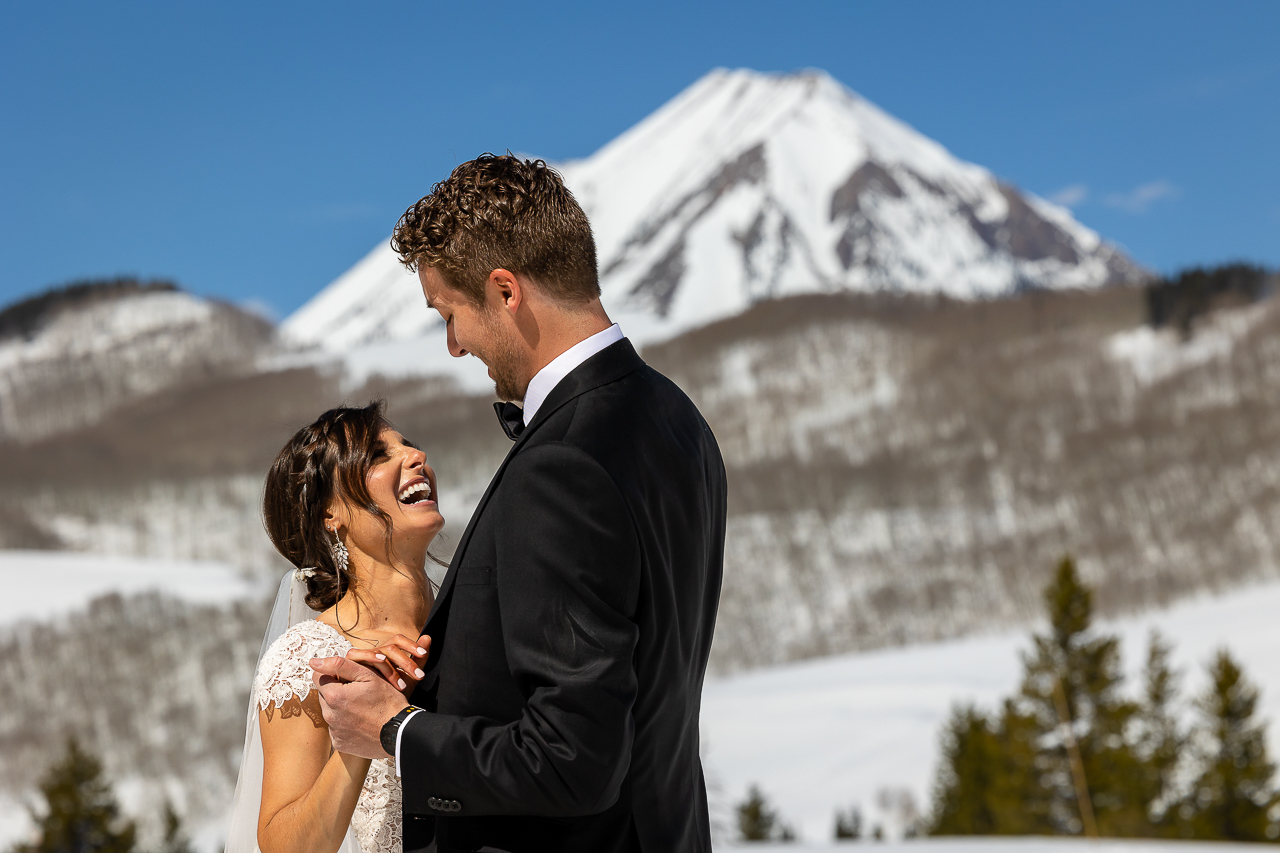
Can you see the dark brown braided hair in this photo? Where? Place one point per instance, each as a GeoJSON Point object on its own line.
{"type": "Point", "coordinates": [498, 211]}
{"type": "Point", "coordinates": [330, 458]}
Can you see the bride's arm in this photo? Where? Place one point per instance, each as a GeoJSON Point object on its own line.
{"type": "Point", "coordinates": [309, 791]}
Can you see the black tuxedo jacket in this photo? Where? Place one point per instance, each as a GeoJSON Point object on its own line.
{"type": "Point", "coordinates": [570, 635]}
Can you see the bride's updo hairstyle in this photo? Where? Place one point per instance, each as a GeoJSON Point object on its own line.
{"type": "Point", "coordinates": [330, 458]}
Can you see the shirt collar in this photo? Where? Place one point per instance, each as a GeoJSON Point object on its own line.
{"type": "Point", "coordinates": [546, 379]}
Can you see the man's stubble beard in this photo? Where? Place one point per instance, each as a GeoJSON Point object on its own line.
{"type": "Point", "coordinates": [502, 357]}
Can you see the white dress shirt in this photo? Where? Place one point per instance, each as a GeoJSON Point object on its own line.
{"type": "Point", "coordinates": [541, 385]}
{"type": "Point", "coordinates": [546, 379]}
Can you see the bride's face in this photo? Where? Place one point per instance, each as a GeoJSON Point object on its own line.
{"type": "Point", "coordinates": [403, 485]}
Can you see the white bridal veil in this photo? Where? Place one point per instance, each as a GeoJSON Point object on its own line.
{"type": "Point", "coordinates": [242, 831]}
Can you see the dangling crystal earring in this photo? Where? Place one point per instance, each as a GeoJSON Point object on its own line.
{"type": "Point", "coordinates": [339, 552]}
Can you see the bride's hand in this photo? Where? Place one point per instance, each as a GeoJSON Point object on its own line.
{"type": "Point", "coordinates": [399, 661]}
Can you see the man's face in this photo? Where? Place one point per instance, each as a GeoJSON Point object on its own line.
{"type": "Point", "coordinates": [477, 331]}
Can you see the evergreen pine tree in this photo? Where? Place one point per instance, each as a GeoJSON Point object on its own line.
{"type": "Point", "coordinates": [964, 796]}
{"type": "Point", "coordinates": [1087, 670]}
{"type": "Point", "coordinates": [1160, 740]}
{"type": "Point", "coordinates": [82, 815]}
{"type": "Point", "coordinates": [1230, 798]}
{"type": "Point", "coordinates": [756, 820]}
{"type": "Point", "coordinates": [849, 824]}
{"type": "Point", "coordinates": [175, 840]}
{"type": "Point", "coordinates": [988, 781]}
{"type": "Point", "coordinates": [1020, 801]}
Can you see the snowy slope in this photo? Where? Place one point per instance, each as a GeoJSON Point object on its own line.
{"type": "Point", "coordinates": [833, 732]}
{"type": "Point", "coordinates": [81, 354]}
{"type": "Point", "coordinates": [748, 186]}
{"type": "Point", "coordinates": [42, 585]}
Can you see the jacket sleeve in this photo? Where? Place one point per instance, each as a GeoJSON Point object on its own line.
{"type": "Point", "coordinates": [568, 568]}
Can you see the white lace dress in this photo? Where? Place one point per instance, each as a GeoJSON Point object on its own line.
{"type": "Point", "coordinates": [284, 673]}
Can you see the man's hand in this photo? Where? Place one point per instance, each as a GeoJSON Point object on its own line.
{"type": "Point", "coordinates": [356, 703]}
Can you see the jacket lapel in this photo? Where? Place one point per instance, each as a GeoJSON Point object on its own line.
{"type": "Point", "coordinates": [610, 364]}
{"type": "Point", "coordinates": [447, 584]}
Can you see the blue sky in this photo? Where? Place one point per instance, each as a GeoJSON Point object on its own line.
{"type": "Point", "coordinates": [254, 151]}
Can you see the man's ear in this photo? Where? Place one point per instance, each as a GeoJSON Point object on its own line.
{"type": "Point", "coordinates": [507, 290]}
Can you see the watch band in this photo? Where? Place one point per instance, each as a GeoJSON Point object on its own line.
{"type": "Point", "coordinates": [392, 727]}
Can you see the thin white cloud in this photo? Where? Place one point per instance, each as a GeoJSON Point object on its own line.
{"type": "Point", "coordinates": [1070, 196]}
{"type": "Point", "coordinates": [1138, 199]}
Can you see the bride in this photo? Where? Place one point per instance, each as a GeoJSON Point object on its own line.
{"type": "Point", "coordinates": [350, 502]}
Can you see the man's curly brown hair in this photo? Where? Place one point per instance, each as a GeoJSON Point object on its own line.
{"type": "Point", "coordinates": [500, 212]}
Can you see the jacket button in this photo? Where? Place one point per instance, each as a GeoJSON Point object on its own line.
{"type": "Point", "coordinates": [433, 803]}
{"type": "Point", "coordinates": [455, 806]}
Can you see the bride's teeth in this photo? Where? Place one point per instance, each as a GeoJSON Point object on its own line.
{"type": "Point", "coordinates": [413, 490]}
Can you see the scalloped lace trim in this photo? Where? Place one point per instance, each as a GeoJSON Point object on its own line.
{"type": "Point", "coordinates": [283, 673]}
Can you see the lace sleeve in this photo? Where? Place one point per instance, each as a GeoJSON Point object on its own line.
{"type": "Point", "coordinates": [284, 672]}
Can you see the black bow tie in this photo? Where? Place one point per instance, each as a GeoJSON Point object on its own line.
{"type": "Point", "coordinates": [511, 417]}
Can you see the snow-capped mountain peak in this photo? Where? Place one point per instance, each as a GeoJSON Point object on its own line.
{"type": "Point", "coordinates": [749, 186]}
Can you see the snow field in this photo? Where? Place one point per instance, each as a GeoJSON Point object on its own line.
{"type": "Point", "coordinates": [826, 734]}
{"type": "Point", "coordinates": [42, 585]}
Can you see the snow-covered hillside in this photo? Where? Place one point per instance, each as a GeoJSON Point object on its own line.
{"type": "Point", "coordinates": [43, 585]}
{"type": "Point", "coordinates": [831, 733]}
{"type": "Point", "coordinates": [69, 356]}
{"type": "Point", "coordinates": [902, 469]}
{"type": "Point", "coordinates": [745, 187]}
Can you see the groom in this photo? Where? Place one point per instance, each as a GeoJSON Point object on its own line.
{"type": "Point", "coordinates": [570, 635]}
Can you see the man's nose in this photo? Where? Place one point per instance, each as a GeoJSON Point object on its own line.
{"type": "Point", "coordinates": [455, 349]}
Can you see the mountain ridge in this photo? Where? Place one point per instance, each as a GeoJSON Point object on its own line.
{"type": "Point", "coordinates": [99, 345]}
